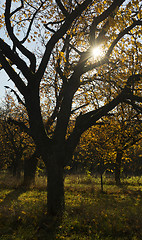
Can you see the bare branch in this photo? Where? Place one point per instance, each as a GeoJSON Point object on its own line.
{"type": "Point", "coordinates": [17, 9]}
{"type": "Point", "coordinates": [12, 74]}
{"type": "Point", "coordinates": [76, 109]}
{"type": "Point", "coordinates": [62, 8]}
{"type": "Point", "coordinates": [15, 41]}
{"type": "Point", "coordinates": [31, 22]}
{"type": "Point", "coordinates": [15, 59]}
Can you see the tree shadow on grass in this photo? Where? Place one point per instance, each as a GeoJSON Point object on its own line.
{"type": "Point", "coordinates": [8, 216]}
{"type": "Point", "coordinates": [48, 227]}
{"type": "Point", "coordinates": [10, 197]}
{"type": "Point", "coordinates": [113, 215]}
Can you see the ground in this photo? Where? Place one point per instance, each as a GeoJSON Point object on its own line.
{"type": "Point", "coordinates": [90, 214]}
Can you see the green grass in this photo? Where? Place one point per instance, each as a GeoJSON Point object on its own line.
{"type": "Point", "coordinates": [90, 214]}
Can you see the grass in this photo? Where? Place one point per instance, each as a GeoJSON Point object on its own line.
{"type": "Point", "coordinates": [90, 214]}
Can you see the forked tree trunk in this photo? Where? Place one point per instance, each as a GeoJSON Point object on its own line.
{"type": "Point", "coordinates": [55, 187]}
{"type": "Point", "coordinates": [118, 167]}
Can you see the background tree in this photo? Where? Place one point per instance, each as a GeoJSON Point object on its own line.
{"type": "Point", "coordinates": [94, 152]}
{"type": "Point", "coordinates": [135, 166]}
{"type": "Point", "coordinates": [66, 33]}
{"type": "Point", "coordinates": [17, 146]}
{"type": "Point", "coordinates": [124, 131]}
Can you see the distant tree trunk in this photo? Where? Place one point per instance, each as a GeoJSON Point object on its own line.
{"type": "Point", "coordinates": [14, 168]}
{"type": "Point", "coordinates": [118, 167]}
{"type": "Point", "coordinates": [17, 166]}
{"type": "Point", "coordinates": [18, 175]}
{"type": "Point", "coordinates": [30, 165]}
{"type": "Point", "coordinates": [102, 170]}
{"type": "Point", "coordinates": [102, 185]}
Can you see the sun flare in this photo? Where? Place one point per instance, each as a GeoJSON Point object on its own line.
{"type": "Point", "coordinates": [96, 52]}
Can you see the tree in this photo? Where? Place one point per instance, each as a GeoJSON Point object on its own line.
{"type": "Point", "coordinates": [94, 151]}
{"type": "Point", "coordinates": [66, 33]}
{"type": "Point", "coordinates": [123, 132]}
{"type": "Point", "coordinates": [107, 146]}
{"type": "Point", "coordinates": [135, 166]}
{"type": "Point", "coordinates": [18, 148]}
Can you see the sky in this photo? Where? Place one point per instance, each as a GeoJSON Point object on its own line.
{"type": "Point", "coordinates": [4, 81]}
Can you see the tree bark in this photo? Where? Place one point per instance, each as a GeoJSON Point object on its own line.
{"type": "Point", "coordinates": [118, 167]}
{"type": "Point", "coordinates": [55, 186]}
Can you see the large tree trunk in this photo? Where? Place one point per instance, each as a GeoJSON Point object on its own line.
{"type": "Point", "coordinates": [55, 186]}
{"type": "Point", "coordinates": [118, 167]}
{"type": "Point", "coordinates": [52, 154]}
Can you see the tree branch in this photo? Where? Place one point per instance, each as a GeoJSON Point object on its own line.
{"type": "Point", "coordinates": [121, 34]}
{"type": "Point", "coordinates": [15, 41]}
{"type": "Point", "coordinates": [134, 105]}
{"type": "Point", "coordinates": [21, 125]}
{"type": "Point", "coordinates": [15, 59]}
{"type": "Point", "coordinates": [62, 8]}
{"type": "Point", "coordinates": [17, 9]}
{"type": "Point", "coordinates": [104, 60]}
{"type": "Point", "coordinates": [76, 109]}
{"type": "Point", "coordinates": [17, 96]}
{"type": "Point", "coordinates": [59, 34]}
{"type": "Point", "coordinates": [84, 121]}
{"type": "Point", "coordinates": [31, 22]}
{"type": "Point", "coordinates": [12, 74]}
{"type": "Point", "coordinates": [102, 17]}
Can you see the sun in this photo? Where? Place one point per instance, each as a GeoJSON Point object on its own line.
{"type": "Point", "coordinates": [97, 52]}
